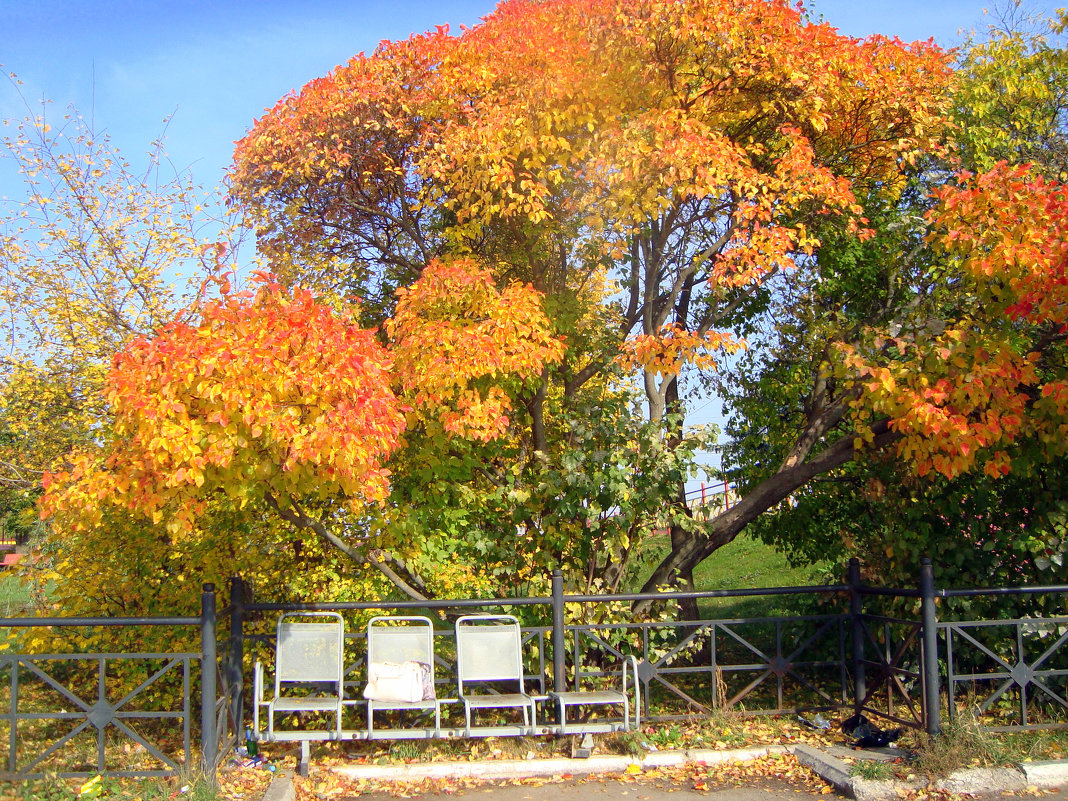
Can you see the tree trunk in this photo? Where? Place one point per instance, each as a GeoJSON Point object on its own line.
{"type": "Point", "coordinates": [684, 577]}
{"type": "Point", "coordinates": [693, 547]}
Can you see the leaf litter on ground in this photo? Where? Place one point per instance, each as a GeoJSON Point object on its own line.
{"type": "Point", "coordinates": [784, 768]}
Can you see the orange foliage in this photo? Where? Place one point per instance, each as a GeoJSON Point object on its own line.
{"type": "Point", "coordinates": [581, 121]}
{"type": "Point", "coordinates": [1008, 225]}
{"type": "Point", "coordinates": [361, 127]}
{"type": "Point", "coordinates": [455, 339]}
{"type": "Point", "coordinates": [963, 397]}
{"type": "Point", "coordinates": [667, 352]}
{"type": "Point", "coordinates": [268, 392]}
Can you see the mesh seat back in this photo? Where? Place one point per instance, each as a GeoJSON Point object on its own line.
{"type": "Point", "coordinates": [489, 649]}
{"type": "Point", "coordinates": [309, 652]}
{"type": "Point", "coordinates": [391, 640]}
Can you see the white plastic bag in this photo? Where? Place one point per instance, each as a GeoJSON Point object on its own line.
{"type": "Point", "coordinates": [399, 681]}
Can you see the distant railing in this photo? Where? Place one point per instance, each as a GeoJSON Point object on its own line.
{"type": "Point", "coordinates": [708, 500]}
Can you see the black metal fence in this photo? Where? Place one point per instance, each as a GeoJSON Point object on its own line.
{"type": "Point", "coordinates": [130, 713]}
{"type": "Point", "coordinates": [874, 650]}
{"type": "Point", "coordinates": [892, 653]}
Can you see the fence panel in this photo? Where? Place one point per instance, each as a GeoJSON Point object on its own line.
{"type": "Point", "coordinates": [1012, 674]}
{"type": "Point", "coordinates": [77, 715]}
{"type": "Point", "coordinates": [133, 714]}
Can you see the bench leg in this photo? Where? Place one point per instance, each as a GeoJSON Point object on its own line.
{"type": "Point", "coordinates": [305, 758]}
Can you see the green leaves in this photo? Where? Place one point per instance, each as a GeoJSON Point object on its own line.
{"type": "Point", "coordinates": [1012, 98]}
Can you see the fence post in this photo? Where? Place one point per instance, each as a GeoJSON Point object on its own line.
{"type": "Point", "coordinates": [208, 735]}
{"type": "Point", "coordinates": [931, 700]}
{"type": "Point", "coordinates": [856, 609]}
{"type": "Point", "coordinates": [237, 653]}
{"type": "Point", "coordinates": [559, 679]}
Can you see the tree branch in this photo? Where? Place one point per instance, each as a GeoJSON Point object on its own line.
{"type": "Point", "coordinates": [295, 515]}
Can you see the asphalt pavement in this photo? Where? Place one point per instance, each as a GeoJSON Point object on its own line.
{"type": "Point", "coordinates": [669, 776]}
{"type": "Point", "coordinates": [592, 790]}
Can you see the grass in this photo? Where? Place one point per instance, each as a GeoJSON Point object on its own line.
{"type": "Point", "coordinates": [745, 563]}
{"type": "Point", "coordinates": [15, 598]}
{"type": "Point", "coordinates": [963, 744]}
{"type": "Point", "coordinates": [110, 789]}
{"type": "Point", "coordinates": [871, 770]}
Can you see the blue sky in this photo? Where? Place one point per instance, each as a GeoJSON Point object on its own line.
{"type": "Point", "coordinates": [213, 66]}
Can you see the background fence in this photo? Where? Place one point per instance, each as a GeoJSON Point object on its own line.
{"type": "Point", "coordinates": [892, 653]}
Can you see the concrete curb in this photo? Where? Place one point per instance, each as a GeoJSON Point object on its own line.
{"type": "Point", "coordinates": [521, 768]}
{"type": "Point", "coordinates": [1045, 774]}
{"type": "Point", "coordinates": [975, 781]}
{"type": "Point", "coordinates": [281, 788]}
{"type": "Point", "coordinates": [986, 780]}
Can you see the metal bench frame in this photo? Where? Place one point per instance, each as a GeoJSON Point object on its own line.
{"type": "Point", "coordinates": [569, 698]}
{"type": "Point", "coordinates": [306, 653]}
{"type": "Point", "coordinates": [489, 653]}
{"type": "Point", "coordinates": [489, 649]}
{"type": "Point", "coordinates": [402, 638]}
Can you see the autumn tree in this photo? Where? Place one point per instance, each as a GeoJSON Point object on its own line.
{"type": "Point", "coordinates": [652, 167]}
{"type": "Point", "coordinates": [1008, 103]}
{"type": "Point", "coordinates": [91, 253]}
{"type": "Point", "coordinates": [273, 401]}
{"type": "Point", "coordinates": [238, 407]}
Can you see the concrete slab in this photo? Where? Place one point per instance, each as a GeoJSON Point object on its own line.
{"type": "Point", "coordinates": [829, 768]}
{"type": "Point", "coordinates": [1045, 774]}
{"type": "Point", "coordinates": [281, 788]}
{"type": "Point", "coordinates": [871, 754]}
{"type": "Point", "coordinates": [983, 781]}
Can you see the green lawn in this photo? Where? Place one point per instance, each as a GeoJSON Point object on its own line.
{"type": "Point", "coordinates": [14, 597]}
{"type": "Point", "coordinates": [747, 563]}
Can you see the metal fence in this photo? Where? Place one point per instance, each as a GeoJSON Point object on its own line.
{"type": "Point", "coordinates": [859, 649]}
{"type": "Point", "coordinates": [131, 713]}
{"type": "Point", "coordinates": [897, 654]}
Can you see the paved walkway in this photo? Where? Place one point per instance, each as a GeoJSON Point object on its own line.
{"type": "Point", "coordinates": [594, 790]}
{"type": "Point", "coordinates": [743, 775]}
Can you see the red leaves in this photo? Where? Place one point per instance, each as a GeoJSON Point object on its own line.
{"type": "Point", "coordinates": [1009, 225]}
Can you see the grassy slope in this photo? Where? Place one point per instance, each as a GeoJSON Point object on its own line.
{"type": "Point", "coordinates": [746, 563]}
{"type": "Point", "coordinates": [14, 596]}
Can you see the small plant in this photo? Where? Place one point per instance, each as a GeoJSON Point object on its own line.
{"type": "Point", "coordinates": [962, 744]}
{"type": "Point", "coordinates": [872, 770]}
{"type": "Point", "coordinates": [47, 789]}
{"type": "Point", "coordinates": [666, 738]}
{"type": "Point", "coordinates": [407, 750]}
{"type": "Point", "coordinates": [628, 743]}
